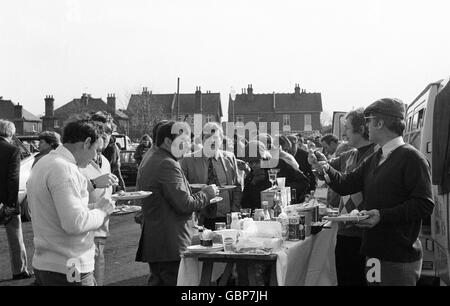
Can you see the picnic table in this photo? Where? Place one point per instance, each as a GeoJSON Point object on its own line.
{"type": "Point", "coordinates": [308, 262]}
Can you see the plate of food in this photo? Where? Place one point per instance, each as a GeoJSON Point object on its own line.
{"type": "Point", "coordinates": [226, 187]}
{"type": "Point", "coordinates": [216, 200]}
{"type": "Point", "coordinates": [122, 195]}
{"type": "Point", "coordinates": [354, 216]}
{"type": "Point", "coordinates": [126, 209]}
{"type": "Point", "coordinates": [197, 186]}
{"type": "Point", "coordinates": [216, 247]}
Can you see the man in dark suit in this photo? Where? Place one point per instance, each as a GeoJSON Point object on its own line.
{"type": "Point", "coordinates": [301, 156]}
{"type": "Point", "coordinates": [9, 190]}
{"type": "Point", "coordinates": [167, 228]}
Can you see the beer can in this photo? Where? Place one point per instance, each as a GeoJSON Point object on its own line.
{"type": "Point", "coordinates": [293, 230]}
{"type": "Point", "coordinates": [301, 227]}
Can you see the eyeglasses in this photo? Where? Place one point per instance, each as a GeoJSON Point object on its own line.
{"type": "Point", "coordinates": [368, 118]}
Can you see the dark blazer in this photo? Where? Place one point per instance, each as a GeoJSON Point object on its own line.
{"type": "Point", "coordinates": [9, 173]}
{"type": "Point", "coordinates": [167, 230]}
{"type": "Point", "coordinates": [302, 159]}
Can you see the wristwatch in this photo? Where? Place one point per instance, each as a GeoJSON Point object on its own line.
{"type": "Point", "coordinates": [93, 184]}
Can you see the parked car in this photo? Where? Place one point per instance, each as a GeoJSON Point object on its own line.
{"type": "Point", "coordinates": [26, 162]}
{"type": "Point", "coordinates": [31, 142]}
{"type": "Point", "coordinates": [128, 165]}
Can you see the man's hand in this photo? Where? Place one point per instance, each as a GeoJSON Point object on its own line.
{"type": "Point", "coordinates": [211, 191]}
{"type": "Point", "coordinates": [374, 219]}
{"type": "Point", "coordinates": [105, 205]}
{"type": "Point", "coordinates": [106, 180]}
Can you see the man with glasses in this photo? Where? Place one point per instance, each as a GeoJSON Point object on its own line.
{"type": "Point", "coordinates": [214, 166]}
{"type": "Point", "coordinates": [396, 184]}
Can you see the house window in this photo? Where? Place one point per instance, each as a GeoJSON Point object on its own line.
{"type": "Point", "coordinates": [209, 118]}
{"type": "Point", "coordinates": [34, 128]}
{"type": "Point", "coordinates": [57, 123]}
{"type": "Point", "coordinates": [308, 125]}
{"type": "Point", "coordinates": [286, 120]}
{"type": "Point", "coordinates": [240, 118]}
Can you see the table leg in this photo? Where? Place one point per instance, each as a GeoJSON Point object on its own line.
{"type": "Point", "coordinates": [251, 274]}
{"type": "Point", "coordinates": [273, 274]}
{"type": "Point", "coordinates": [242, 274]}
{"type": "Point", "coordinates": [226, 274]}
{"type": "Point", "coordinates": [206, 273]}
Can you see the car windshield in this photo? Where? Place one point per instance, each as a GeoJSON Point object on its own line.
{"type": "Point", "coordinates": [24, 152]}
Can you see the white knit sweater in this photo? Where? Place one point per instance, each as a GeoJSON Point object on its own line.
{"type": "Point", "coordinates": [62, 222]}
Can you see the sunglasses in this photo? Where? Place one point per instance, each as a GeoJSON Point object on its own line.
{"type": "Point", "coordinates": [368, 118]}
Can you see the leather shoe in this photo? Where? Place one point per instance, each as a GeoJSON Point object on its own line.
{"type": "Point", "coordinates": [23, 275]}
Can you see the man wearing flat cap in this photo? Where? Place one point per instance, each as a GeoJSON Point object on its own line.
{"type": "Point", "coordinates": [396, 183]}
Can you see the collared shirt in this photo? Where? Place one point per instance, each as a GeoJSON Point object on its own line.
{"type": "Point", "coordinates": [389, 147]}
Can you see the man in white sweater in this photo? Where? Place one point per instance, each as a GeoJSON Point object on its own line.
{"type": "Point", "coordinates": [58, 199]}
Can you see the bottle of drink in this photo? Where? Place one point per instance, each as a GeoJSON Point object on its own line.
{"type": "Point", "coordinates": [235, 221]}
{"type": "Point", "coordinates": [277, 204]}
{"type": "Point", "coordinates": [284, 220]}
{"type": "Point", "coordinates": [265, 207]}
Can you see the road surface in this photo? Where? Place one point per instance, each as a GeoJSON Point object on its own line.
{"type": "Point", "coordinates": [120, 251]}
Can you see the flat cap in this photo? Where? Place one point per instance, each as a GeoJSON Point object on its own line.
{"type": "Point", "coordinates": [388, 107]}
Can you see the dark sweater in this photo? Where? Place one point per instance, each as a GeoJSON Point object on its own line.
{"type": "Point", "coordinates": [400, 189]}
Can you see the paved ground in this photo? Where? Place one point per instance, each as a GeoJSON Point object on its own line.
{"type": "Point", "coordinates": [121, 246]}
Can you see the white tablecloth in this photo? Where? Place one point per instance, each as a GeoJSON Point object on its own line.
{"type": "Point", "coordinates": [309, 262]}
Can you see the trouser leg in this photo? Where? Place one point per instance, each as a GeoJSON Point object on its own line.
{"type": "Point", "coordinates": [17, 251]}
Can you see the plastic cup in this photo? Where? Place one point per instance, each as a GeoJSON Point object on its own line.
{"type": "Point", "coordinates": [220, 226]}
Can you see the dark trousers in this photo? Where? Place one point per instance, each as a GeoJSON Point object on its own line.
{"type": "Point", "coordinates": [350, 263]}
{"type": "Point", "coordinates": [163, 273]}
{"type": "Point", "coordinates": [211, 223]}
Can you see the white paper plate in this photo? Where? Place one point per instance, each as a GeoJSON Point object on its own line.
{"type": "Point", "coordinates": [197, 186]}
{"type": "Point", "coordinates": [202, 249]}
{"type": "Point", "coordinates": [215, 200]}
{"type": "Point", "coordinates": [226, 187]}
{"type": "Point", "coordinates": [126, 209]}
{"type": "Point", "coordinates": [130, 195]}
{"type": "Point", "coordinates": [348, 218]}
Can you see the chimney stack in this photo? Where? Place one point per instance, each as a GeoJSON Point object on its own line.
{"type": "Point", "coordinates": [85, 99]}
{"type": "Point", "coordinates": [198, 99]}
{"type": "Point", "coordinates": [111, 104]}
{"type": "Point", "coordinates": [145, 90]}
{"type": "Point", "coordinates": [18, 111]}
{"type": "Point", "coordinates": [297, 89]}
{"type": "Point", "coordinates": [250, 92]}
{"type": "Point", "coordinates": [49, 106]}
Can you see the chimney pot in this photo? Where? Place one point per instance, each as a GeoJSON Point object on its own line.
{"type": "Point", "coordinates": [49, 106]}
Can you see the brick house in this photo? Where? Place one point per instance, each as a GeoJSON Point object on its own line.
{"type": "Point", "coordinates": [54, 119]}
{"type": "Point", "coordinates": [297, 112]}
{"type": "Point", "coordinates": [26, 123]}
{"type": "Point", "coordinates": [146, 108]}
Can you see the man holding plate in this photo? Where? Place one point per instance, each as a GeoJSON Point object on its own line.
{"type": "Point", "coordinates": [212, 165]}
{"type": "Point", "coordinates": [167, 228]}
{"type": "Point", "coordinates": [396, 183]}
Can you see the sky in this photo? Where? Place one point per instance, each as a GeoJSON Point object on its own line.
{"type": "Point", "coordinates": [351, 51]}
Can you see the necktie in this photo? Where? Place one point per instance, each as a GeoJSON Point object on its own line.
{"type": "Point", "coordinates": [212, 178]}
{"type": "Point", "coordinates": [378, 156]}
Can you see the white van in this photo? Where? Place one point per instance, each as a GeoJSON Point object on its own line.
{"type": "Point", "coordinates": [428, 129]}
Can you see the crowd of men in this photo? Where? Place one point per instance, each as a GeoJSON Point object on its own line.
{"type": "Point", "coordinates": [70, 187]}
